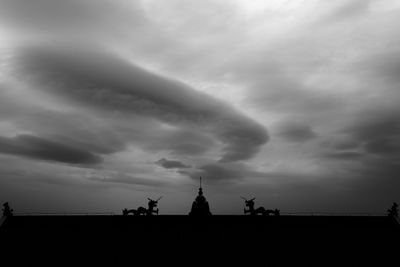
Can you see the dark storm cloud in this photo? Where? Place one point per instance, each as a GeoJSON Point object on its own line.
{"type": "Point", "coordinates": [39, 148]}
{"type": "Point", "coordinates": [343, 155]}
{"type": "Point", "coordinates": [73, 128]}
{"type": "Point", "coordinates": [295, 131]}
{"type": "Point", "coordinates": [378, 131]}
{"type": "Point", "coordinates": [278, 96]}
{"type": "Point", "coordinates": [278, 84]}
{"type": "Point", "coordinates": [218, 172]}
{"type": "Point", "coordinates": [123, 178]}
{"type": "Point", "coordinates": [68, 127]}
{"type": "Point", "coordinates": [344, 144]}
{"type": "Point", "coordinates": [96, 79]}
{"type": "Point", "coordinates": [382, 68]}
{"type": "Point", "coordinates": [172, 164]}
{"type": "Point", "coordinates": [187, 148]}
{"type": "Point", "coordinates": [181, 142]}
{"type": "Point", "coordinates": [380, 180]}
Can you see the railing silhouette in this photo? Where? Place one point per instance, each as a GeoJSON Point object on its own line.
{"type": "Point", "coordinates": [64, 213]}
{"type": "Point", "coordinates": [304, 213]}
{"type": "Point", "coordinates": [322, 213]}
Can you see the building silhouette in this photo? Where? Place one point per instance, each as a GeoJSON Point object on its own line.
{"type": "Point", "coordinates": [200, 206]}
{"type": "Point", "coordinates": [285, 239]}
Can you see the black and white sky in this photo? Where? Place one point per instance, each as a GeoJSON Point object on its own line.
{"type": "Point", "coordinates": [105, 103]}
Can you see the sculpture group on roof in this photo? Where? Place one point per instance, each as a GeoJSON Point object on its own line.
{"type": "Point", "coordinates": [260, 210]}
{"type": "Point", "coordinates": [201, 207]}
{"type": "Point", "coordinates": [152, 204]}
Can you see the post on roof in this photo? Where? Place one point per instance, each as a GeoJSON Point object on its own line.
{"type": "Point", "coordinates": [200, 181]}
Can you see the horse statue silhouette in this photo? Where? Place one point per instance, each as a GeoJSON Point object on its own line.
{"type": "Point", "coordinates": [139, 211]}
{"type": "Point", "coordinates": [7, 211]}
{"type": "Point", "coordinates": [260, 210]}
{"type": "Point", "coordinates": [394, 210]}
{"type": "Point", "coordinates": [152, 204]}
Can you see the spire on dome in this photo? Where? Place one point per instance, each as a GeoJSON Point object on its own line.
{"type": "Point", "coordinates": [200, 206]}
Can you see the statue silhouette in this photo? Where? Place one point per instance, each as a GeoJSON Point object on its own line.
{"type": "Point", "coordinates": [143, 211]}
{"type": "Point", "coordinates": [152, 204]}
{"type": "Point", "coordinates": [259, 210]}
{"type": "Point", "coordinates": [7, 211]}
{"type": "Point", "coordinates": [139, 211]}
{"type": "Point", "coordinates": [200, 206]}
{"type": "Point", "coordinates": [394, 210]}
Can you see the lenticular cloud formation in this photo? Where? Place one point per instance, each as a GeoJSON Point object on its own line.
{"type": "Point", "coordinates": [104, 83]}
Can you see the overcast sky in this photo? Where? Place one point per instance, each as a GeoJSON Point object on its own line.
{"type": "Point", "coordinates": [105, 103]}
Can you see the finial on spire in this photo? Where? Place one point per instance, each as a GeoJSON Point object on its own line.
{"type": "Point", "coordinates": [200, 205]}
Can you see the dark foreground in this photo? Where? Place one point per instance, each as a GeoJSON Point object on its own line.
{"type": "Point", "coordinates": [294, 239]}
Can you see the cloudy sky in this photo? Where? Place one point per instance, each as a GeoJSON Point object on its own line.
{"type": "Point", "coordinates": [105, 103]}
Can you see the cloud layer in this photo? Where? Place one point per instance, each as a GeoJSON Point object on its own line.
{"type": "Point", "coordinates": [39, 148]}
{"type": "Point", "coordinates": [172, 164]}
{"type": "Point", "coordinates": [153, 94]}
{"type": "Point", "coordinates": [106, 83]}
